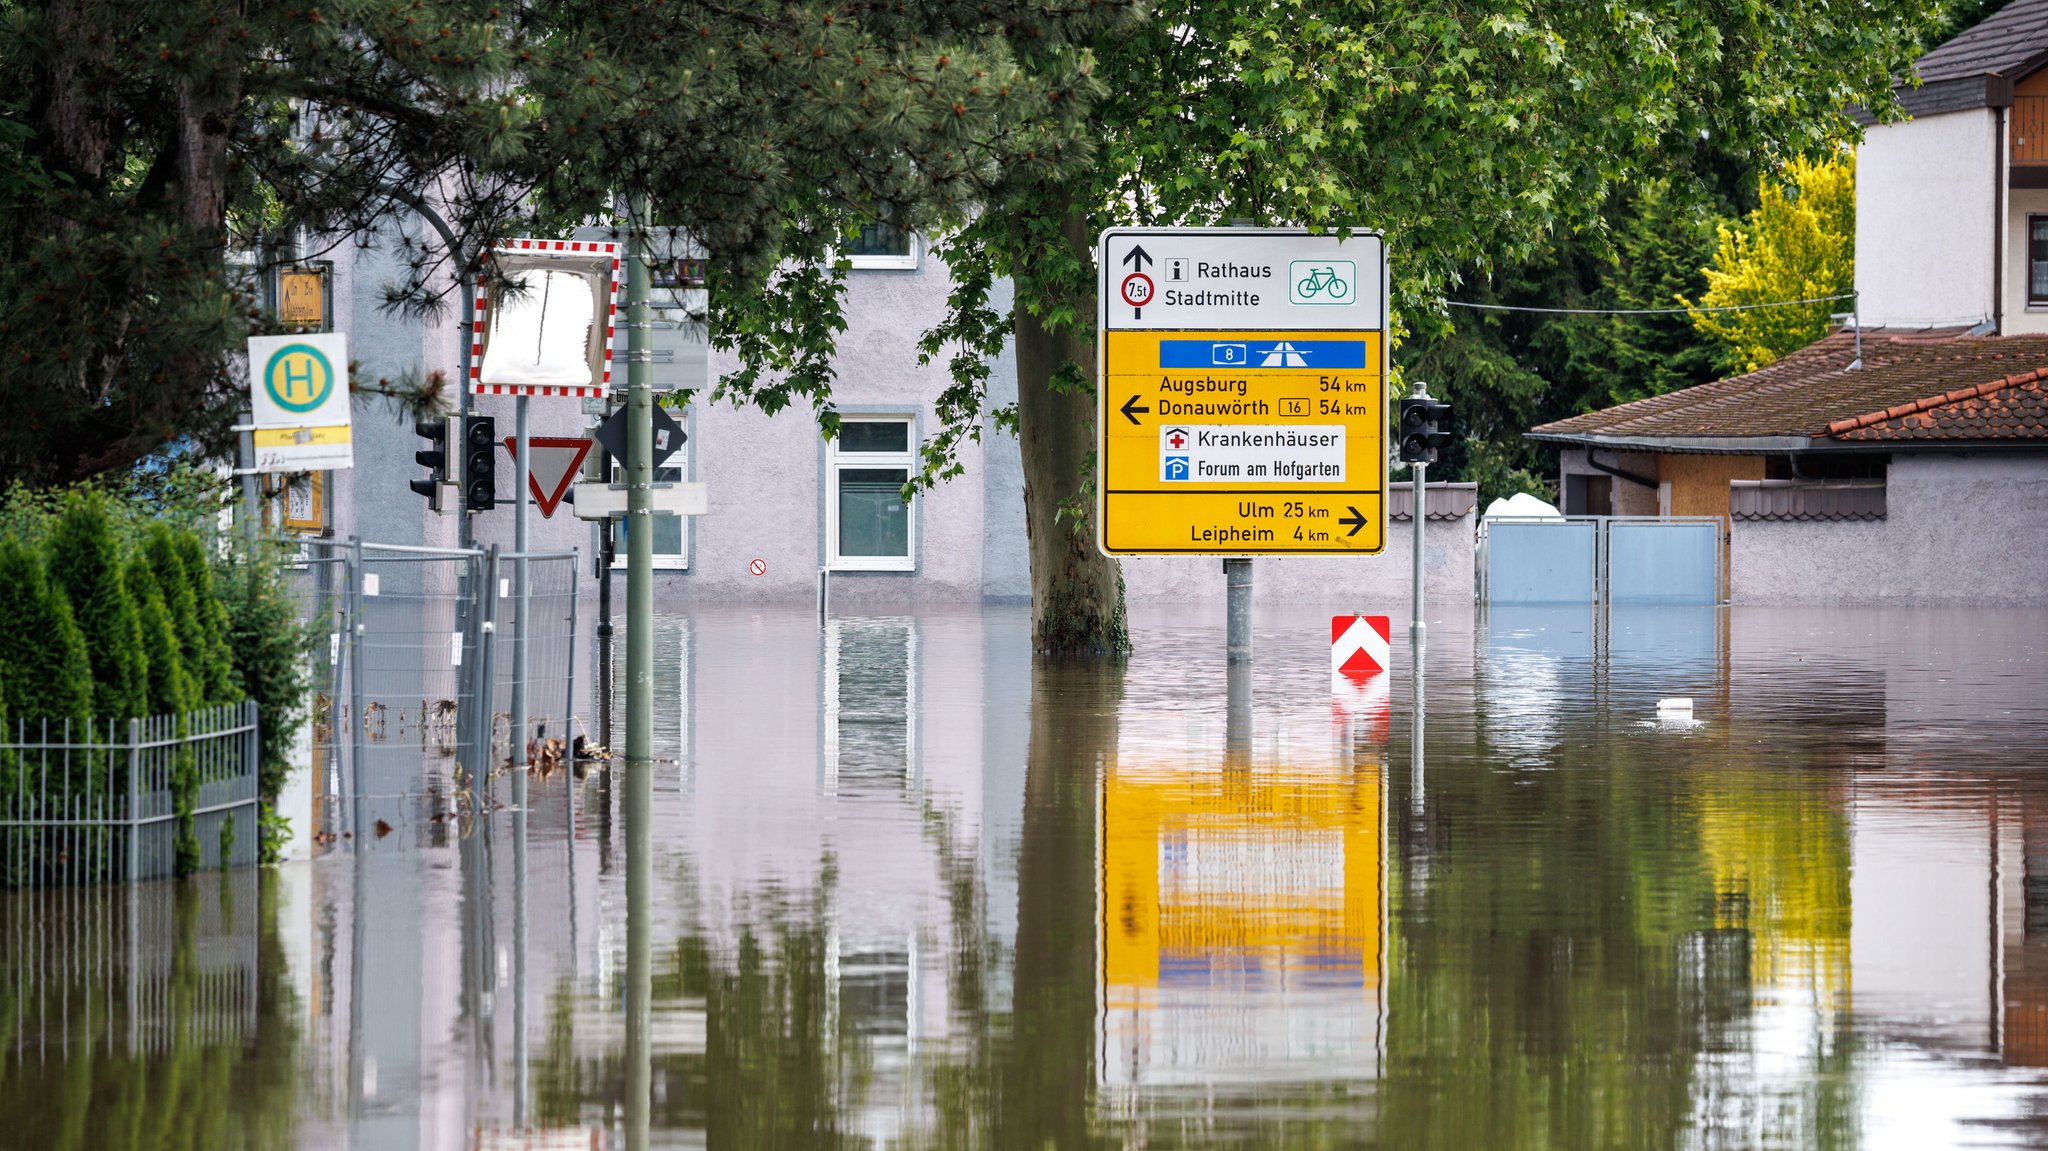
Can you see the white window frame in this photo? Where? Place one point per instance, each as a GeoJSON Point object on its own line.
{"type": "Point", "coordinates": [836, 461]}
{"type": "Point", "coordinates": [907, 262]}
{"type": "Point", "coordinates": [676, 469]}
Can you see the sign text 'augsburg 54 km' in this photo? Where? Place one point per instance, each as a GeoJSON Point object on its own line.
{"type": "Point", "coordinates": [1243, 392]}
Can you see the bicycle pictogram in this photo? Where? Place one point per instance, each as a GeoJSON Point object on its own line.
{"type": "Point", "coordinates": [1323, 281]}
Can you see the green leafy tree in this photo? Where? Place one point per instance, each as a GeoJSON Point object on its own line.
{"type": "Point", "coordinates": [1468, 134]}
{"type": "Point", "coordinates": [1506, 371]}
{"type": "Point", "coordinates": [173, 694]}
{"type": "Point", "coordinates": [84, 562]}
{"type": "Point", "coordinates": [1799, 244]}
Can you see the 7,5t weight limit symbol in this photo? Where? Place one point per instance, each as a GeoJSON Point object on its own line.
{"type": "Point", "coordinates": [1137, 291]}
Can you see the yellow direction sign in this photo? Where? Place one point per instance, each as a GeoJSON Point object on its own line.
{"type": "Point", "coordinates": [1244, 398]}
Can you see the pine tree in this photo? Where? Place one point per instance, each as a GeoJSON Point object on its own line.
{"type": "Point", "coordinates": [44, 671]}
{"type": "Point", "coordinates": [195, 649]}
{"type": "Point", "coordinates": [84, 564]}
{"type": "Point", "coordinates": [168, 689]}
{"type": "Point", "coordinates": [222, 685]}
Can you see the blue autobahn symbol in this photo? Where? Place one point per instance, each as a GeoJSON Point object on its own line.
{"type": "Point", "coordinates": [1328, 354]}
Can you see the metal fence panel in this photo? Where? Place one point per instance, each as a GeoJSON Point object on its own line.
{"type": "Point", "coordinates": [1541, 561]}
{"type": "Point", "coordinates": [1664, 561]}
{"type": "Point", "coordinates": [97, 803]}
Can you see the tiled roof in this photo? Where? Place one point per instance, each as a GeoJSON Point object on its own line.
{"type": "Point", "coordinates": [2014, 408]}
{"type": "Point", "coordinates": [1999, 45]}
{"type": "Point", "coordinates": [1811, 391]}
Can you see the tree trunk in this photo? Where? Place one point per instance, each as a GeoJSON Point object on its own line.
{"type": "Point", "coordinates": [1077, 593]}
{"type": "Point", "coordinates": [1047, 1074]}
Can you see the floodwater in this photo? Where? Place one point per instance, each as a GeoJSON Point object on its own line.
{"type": "Point", "coordinates": [910, 888]}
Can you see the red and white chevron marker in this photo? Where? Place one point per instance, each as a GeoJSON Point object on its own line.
{"type": "Point", "coordinates": [1360, 645]}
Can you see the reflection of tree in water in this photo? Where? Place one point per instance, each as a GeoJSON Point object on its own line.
{"type": "Point", "coordinates": [214, 1072]}
{"type": "Point", "coordinates": [1580, 955]}
{"type": "Point", "coordinates": [779, 1061]}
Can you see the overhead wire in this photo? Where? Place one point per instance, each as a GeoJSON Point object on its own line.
{"type": "Point", "coordinates": [1646, 311]}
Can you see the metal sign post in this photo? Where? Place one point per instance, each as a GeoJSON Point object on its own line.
{"type": "Point", "coordinates": [1243, 381]}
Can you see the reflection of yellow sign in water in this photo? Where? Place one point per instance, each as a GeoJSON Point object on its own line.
{"type": "Point", "coordinates": [1242, 922]}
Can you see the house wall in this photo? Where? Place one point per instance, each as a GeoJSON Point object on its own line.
{"type": "Point", "coordinates": [1926, 201]}
{"type": "Point", "coordinates": [1630, 499]}
{"type": "Point", "coordinates": [1697, 485]}
{"type": "Point", "coordinates": [1958, 528]}
{"type": "Point", "coordinates": [766, 475]}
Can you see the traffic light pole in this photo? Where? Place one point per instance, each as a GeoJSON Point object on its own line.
{"type": "Point", "coordinates": [639, 768]}
{"type": "Point", "coordinates": [1419, 489]}
{"type": "Point", "coordinates": [639, 497]}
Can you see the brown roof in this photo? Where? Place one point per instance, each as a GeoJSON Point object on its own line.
{"type": "Point", "coordinates": [2001, 44]}
{"type": "Point", "coordinates": [1812, 393]}
{"type": "Point", "coordinates": [2014, 408]}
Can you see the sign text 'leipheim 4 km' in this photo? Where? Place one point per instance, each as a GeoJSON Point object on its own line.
{"type": "Point", "coordinates": [1244, 392]}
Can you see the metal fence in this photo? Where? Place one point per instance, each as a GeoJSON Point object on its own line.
{"type": "Point", "coordinates": [97, 802]}
{"type": "Point", "coordinates": [417, 648]}
{"type": "Point", "coordinates": [1592, 559]}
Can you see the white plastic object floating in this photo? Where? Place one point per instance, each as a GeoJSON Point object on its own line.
{"type": "Point", "coordinates": [1675, 703]}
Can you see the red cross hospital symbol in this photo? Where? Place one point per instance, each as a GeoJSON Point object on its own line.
{"type": "Point", "coordinates": [1176, 440]}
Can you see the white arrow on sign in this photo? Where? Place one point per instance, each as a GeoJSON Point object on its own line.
{"type": "Point", "coordinates": [554, 464]}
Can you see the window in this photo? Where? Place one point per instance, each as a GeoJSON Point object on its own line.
{"type": "Point", "coordinates": [868, 525]}
{"type": "Point", "coordinates": [881, 244]}
{"type": "Point", "coordinates": [2037, 259]}
{"type": "Point", "coordinates": [671, 538]}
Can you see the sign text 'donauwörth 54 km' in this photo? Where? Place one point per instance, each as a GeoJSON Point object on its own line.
{"type": "Point", "coordinates": [1244, 393]}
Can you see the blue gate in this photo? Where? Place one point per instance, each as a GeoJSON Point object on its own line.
{"type": "Point", "coordinates": [1587, 559]}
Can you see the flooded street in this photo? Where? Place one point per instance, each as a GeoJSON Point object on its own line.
{"type": "Point", "coordinates": [912, 888]}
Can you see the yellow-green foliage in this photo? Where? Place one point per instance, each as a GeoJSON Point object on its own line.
{"type": "Point", "coordinates": [1800, 244]}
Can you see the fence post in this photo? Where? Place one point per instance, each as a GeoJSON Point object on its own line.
{"type": "Point", "coordinates": [569, 696]}
{"type": "Point", "coordinates": [487, 669]}
{"type": "Point", "coordinates": [252, 763]}
{"type": "Point", "coordinates": [134, 800]}
{"type": "Point", "coordinates": [355, 688]}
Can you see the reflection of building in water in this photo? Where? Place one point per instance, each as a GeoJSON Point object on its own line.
{"type": "Point", "coordinates": [870, 705]}
{"type": "Point", "coordinates": [1242, 924]}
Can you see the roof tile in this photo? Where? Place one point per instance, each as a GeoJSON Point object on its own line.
{"type": "Point", "coordinates": [1813, 392]}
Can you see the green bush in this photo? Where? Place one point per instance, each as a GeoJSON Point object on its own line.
{"type": "Point", "coordinates": [44, 670]}
{"type": "Point", "coordinates": [269, 643]}
{"type": "Point", "coordinates": [221, 683]}
{"type": "Point", "coordinates": [205, 657]}
{"type": "Point", "coordinates": [84, 563]}
{"type": "Point", "coordinates": [45, 678]}
{"type": "Point", "coordinates": [148, 617]}
{"type": "Point", "coordinates": [170, 692]}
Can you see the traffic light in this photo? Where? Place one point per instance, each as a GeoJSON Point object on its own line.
{"type": "Point", "coordinates": [480, 463]}
{"type": "Point", "coordinates": [1422, 430]}
{"type": "Point", "coordinates": [434, 456]}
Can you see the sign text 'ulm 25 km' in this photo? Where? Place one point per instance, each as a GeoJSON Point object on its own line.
{"type": "Point", "coordinates": [1244, 395]}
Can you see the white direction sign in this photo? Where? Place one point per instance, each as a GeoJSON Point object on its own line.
{"type": "Point", "coordinates": [1242, 278]}
{"type": "Point", "coordinates": [1244, 399]}
{"type": "Point", "coordinates": [298, 393]}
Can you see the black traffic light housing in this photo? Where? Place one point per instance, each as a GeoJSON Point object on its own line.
{"type": "Point", "coordinates": [480, 464]}
{"type": "Point", "coordinates": [434, 456]}
{"type": "Point", "coordinates": [1422, 431]}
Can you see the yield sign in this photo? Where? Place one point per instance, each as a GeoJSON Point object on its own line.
{"type": "Point", "coordinates": [552, 469]}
